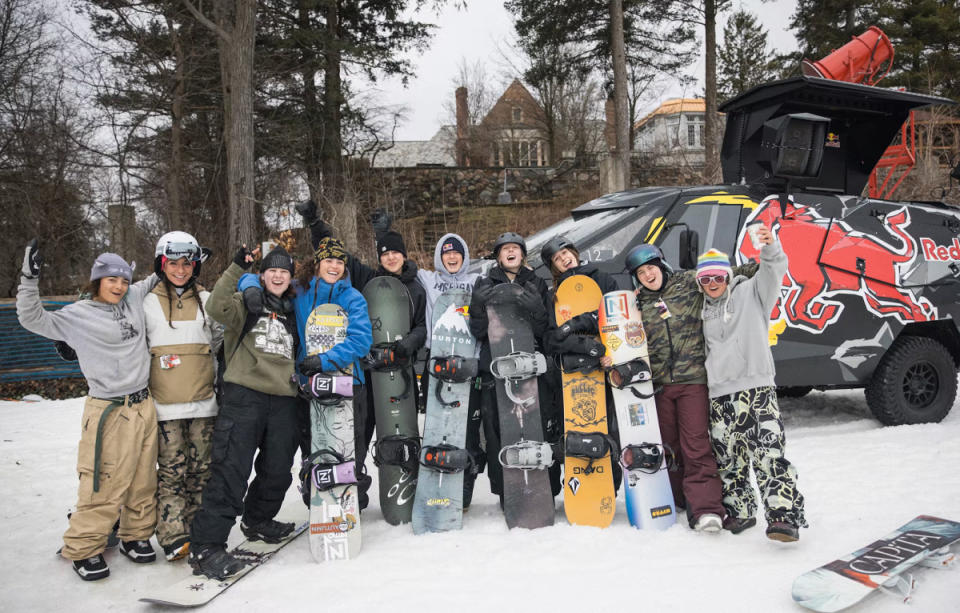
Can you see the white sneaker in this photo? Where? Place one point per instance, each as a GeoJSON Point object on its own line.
{"type": "Point", "coordinates": [708, 522]}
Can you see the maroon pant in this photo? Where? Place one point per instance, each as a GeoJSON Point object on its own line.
{"type": "Point", "coordinates": [684, 414]}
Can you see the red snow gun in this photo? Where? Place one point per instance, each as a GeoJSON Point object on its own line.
{"type": "Point", "coordinates": [859, 61]}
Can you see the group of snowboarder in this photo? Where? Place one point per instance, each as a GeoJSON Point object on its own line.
{"type": "Point", "coordinates": [168, 443]}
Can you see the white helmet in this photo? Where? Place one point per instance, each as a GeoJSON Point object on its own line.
{"type": "Point", "coordinates": [176, 245]}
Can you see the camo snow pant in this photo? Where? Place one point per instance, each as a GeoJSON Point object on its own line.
{"type": "Point", "coordinates": [184, 466]}
{"type": "Point", "coordinates": [745, 428]}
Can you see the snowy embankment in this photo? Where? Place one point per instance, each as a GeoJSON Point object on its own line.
{"type": "Point", "coordinates": [860, 481]}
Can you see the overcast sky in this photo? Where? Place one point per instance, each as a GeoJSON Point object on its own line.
{"type": "Point", "coordinates": [476, 33]}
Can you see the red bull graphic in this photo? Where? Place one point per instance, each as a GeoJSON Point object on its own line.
{"type": "Point", "coordinates": [827, 258]}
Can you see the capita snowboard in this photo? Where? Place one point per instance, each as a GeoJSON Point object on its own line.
{"type": "Point", "coordinates": [394, 398]}
{"type": "Point", "coordinates": [438, 505]}
{"type": "Point", "coordinates": [646, 484]}
{"type": "Point", "coordinates": [198, 590]}
{"type": "Point", "coordinates": [524, 455]}
{"type": "Point", "coordinates": [589, 497]}
{"type": "Point", "coordinates": [334, 498]}
{"type": "Point", "coordinates": [883, 564]}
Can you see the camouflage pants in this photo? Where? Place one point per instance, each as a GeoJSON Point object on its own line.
{"type": "Point", "coordinates": [745, 428]}
{"type": "Point", "coordinates": [184, 466]}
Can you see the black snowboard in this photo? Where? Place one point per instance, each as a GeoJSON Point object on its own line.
{"type": "Point", "coordinates": [527, 497]}
{"type": "Point", "coordinates": [394, 397]}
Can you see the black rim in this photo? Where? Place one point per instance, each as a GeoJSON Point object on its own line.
{"type": "Point", "coordinates": [920, 385]}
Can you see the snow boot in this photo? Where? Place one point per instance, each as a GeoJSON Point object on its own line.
{"type": "Point", "coordinates": [736, 525]}
{"type": "Point", "coordinates": [782, 531]}
{"type": "Point", "coordinates": [708, 522]}
{"type": "Point", "coordinates": [269, 531]}
{"type": "Point", "coordinates": [177, 550]}
{"type": "Point", "coordinates": [93, 568]}
{"type": "Point", "coordinates": [140, 552]}
{"type": "Point", "coordinates": [215, 562]}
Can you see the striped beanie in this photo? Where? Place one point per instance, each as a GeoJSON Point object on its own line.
{"type": "Point", "coordinates": [714, 262]}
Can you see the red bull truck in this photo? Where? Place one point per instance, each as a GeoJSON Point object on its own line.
{"type": "Point", "coordinates": [871, 298]}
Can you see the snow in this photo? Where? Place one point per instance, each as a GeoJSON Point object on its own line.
{"type": "Point", "coordinates": [860, 481]}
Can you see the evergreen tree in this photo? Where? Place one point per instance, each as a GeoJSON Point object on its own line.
{"type": "Point", "coordinates": [743, 61]}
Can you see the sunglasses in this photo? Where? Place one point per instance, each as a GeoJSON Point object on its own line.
{"type": "Point", "coordinates": [708, 279]}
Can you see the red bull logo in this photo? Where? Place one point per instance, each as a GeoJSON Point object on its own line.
{"type": "Point", "coordinates": [828, 258]}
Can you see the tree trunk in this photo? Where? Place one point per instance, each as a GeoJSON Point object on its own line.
{"type": "Point", "coordinates": [312, 155]}
{"type": "Point", "coordinates": [711, 170]}
{"type": "Point", "coordinates": [175, 174]}
{"type": "Point", "coordinates": [620, 89]}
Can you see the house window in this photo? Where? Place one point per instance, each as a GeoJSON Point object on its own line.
{"type": "Point", "coordinates": [695, 131]}
{"type": "Point", "coordinates": [517, 114]}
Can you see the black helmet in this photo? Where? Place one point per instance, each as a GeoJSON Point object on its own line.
{"type": "Point", "coordinates": [509, 237]}
{"type": "Point", "coordinates": [554, 246]}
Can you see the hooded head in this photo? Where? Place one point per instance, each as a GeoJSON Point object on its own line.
{"type": "Point", "coordinates": [451, 243]}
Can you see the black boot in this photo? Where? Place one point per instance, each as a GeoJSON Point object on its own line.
{"type": "Point", "coordinates": [214, 561]}
{"type": "Point", "coordinates": [269, 531]}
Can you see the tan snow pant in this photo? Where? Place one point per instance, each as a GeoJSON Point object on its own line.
{"type": "Point", "coordinates": [126, 479]}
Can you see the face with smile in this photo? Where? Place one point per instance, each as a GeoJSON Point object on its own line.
{"type": "Point", "coordinates": [510, 257]}
{"type": "Point", "coordinates": [564, 260]}
{"type": "Point", "coordinates": [112, 289]}
{"type": "Point", "coordinates": [276, 280]}
{"type": "Point", "coordinates": [392, 261]}
{"type": "Point", "coordinates": [178, 272]}
{"type": "Point", "coordinates": [650, 276]}
{"type": "Point", "coordinates": [713, 284]}
{"type": "Point", "coordinates": [452, 261]}
{"type": "Point", "coordinates": [330, 270]}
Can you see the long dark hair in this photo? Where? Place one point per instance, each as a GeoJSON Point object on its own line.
{"type": "Point", "coordinates": [191, 285]}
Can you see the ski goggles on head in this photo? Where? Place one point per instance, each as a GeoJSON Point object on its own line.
{"type": "Point", "coordinates": [708, 279]}
{"type": "Point", "coordinates": [175, 251]}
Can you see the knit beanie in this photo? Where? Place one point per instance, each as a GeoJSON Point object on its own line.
{"type": "Point", "coordinates": [390, 241]}
{"type": "Point", "coordinates": [111, 265]}
{"type": "Point", "coordinates": [714, 262]}
{"type": "Point", "coordinates": [329, 247]}
{"type": "Point", "coordinates": [453, 244]}
{"type": "Point", "coordinates": [277, 258]}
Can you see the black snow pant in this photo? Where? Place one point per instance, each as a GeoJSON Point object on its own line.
{"type": "Point", "coordinates": [360, 410]}
{"type": "Point", "coordinates": [250, 424]}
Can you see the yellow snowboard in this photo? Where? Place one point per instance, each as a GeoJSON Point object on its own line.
{"type": "Point", "coordinates": [588, 495]}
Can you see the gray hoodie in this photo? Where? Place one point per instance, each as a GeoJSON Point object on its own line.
{"type": "Point", "coordinates": [736, 324]}
{"type": "Point", "coordinates": [110, 340]}
{"type": "Point", "coordinates": [437, 281]}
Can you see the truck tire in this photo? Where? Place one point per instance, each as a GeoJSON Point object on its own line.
{"type": "Point", "coordinates": [915, 382]}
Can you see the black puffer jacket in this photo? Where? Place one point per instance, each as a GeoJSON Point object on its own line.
{"type": "Point", "coordinates": [606, 282]}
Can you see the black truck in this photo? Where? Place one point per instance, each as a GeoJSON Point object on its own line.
{"type": "Point", "coordinates": [872, 295]}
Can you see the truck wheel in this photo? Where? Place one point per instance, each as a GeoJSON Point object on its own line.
{"type": "Point", "coordinates": [794, 391]}
{"type": "Point", "coordinates": [914, 383]}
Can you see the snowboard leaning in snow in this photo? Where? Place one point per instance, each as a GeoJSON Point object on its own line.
{"type": "Point", "coordinates": [198, 590]}
{"type": "Point", "coordinates": [439, 499]}
{"type": "Point", "coordinates": [527, 498]}
{"type": "Point", "coordinates": [646, 485]}
{"type": "Point", "coordinates": [394, 398]}
{"type": "Point", "coordinates": [334, 500]}
{"type": "Point", "coordinates": [883, 564]}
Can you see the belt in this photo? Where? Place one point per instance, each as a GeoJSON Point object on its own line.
{"type": "Point", "coordinates": [134, 398]}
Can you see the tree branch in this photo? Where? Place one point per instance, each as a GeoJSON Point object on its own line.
{"type": "Point", "coordinates": [206, 22]}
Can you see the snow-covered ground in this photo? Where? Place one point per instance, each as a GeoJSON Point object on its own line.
{"type": "Point", "coordinates": [860, 481]}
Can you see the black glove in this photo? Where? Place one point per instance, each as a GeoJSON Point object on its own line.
{"type": "Point", "coordinates": [530, 302]}
{"type": "Point", "coordinates": [65, 351]}
{"type": "Point", "coordinates": [253, 300]}
{"type": "Point", "coordinates": [404, 347]}
{"type": "Point", "coordinates": [240, 258]}
{"type": "Point", "coordinates": [311, 365]}
{"type": "Point", "coordinates": [584, 322]}
{"type": "Point", "coordinates": [308, 210]}
{"type": "Point", "coordinates": [32, 260]}
{"type": "Point", "coordinates": [381, 221]}
{"type": "Point", "coordinates": [481, 296]}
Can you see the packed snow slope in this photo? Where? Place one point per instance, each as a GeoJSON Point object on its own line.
{"type": "Point", "coordinates": [860, 481]}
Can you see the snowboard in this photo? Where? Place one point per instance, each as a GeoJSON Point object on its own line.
{"type": "Point", "coordinates": [438, 505]}
{"type": "Point", "coordinates": [883, 564]}
{"type": "Point", "coordinates": [394, 399]}
{"type": "Point", "coordinates": [525, 457]}
{"type": "Point", "coordinates": [589, 497]}
{"type": "Point", "coordinates": [647, 492]}
{"type": "Point", "coordinates": [334, 511]}
{"type": "Point", "coordinates": [198, 590]}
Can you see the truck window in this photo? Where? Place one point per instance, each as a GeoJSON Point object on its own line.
{"type": "Point", "coordinates": [716, 224]}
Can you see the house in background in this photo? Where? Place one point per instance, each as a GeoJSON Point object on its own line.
{"type": "Point", "coordinates": [673, 133]}
{"type": "Point", "coordinates": [436, 152]}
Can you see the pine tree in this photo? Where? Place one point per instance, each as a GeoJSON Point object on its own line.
{"type": "Point", "coordinates": [744, 59]}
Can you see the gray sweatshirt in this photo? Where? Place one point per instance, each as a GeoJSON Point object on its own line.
{"type": "Point", "coordinates": [437, 281]}
{"type": "Point", "coordinates": [110, 340]}
{"type": "Point", "coordinates": [735, 327]}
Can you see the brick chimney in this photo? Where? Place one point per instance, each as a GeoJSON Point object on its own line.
{"type": "Point", "coordinates": [463, 127]}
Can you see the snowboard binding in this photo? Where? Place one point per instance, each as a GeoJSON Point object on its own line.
{"type": "Point", "coordinates": [329, 389]}
{"type": "Point", "coordinates": [527, 455]}
{"type": "Point", "coordinates": [323, 473]}
{"type": "Point", "coordinates": [384, 358]}
{"type": "Point", "coordinates": [643, 457]}
{"type": "Point", "coordinates": [578, 362]}
{"type": "Point", "coordinates": [589, 446]}
{"type": "Point", "coordinates": [451, 369]}
{"type": "Point", "coordinates": [397, 450]}
{"type": "Point", "coordinates": [445, 458]}
{"type": "Point", "coordinates": [629, 373]}
{"type": "Point", "coordinates": [516, 367]}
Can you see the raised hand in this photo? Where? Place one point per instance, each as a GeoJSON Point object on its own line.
{"type": "Point", "coordinates": [32, 260]}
